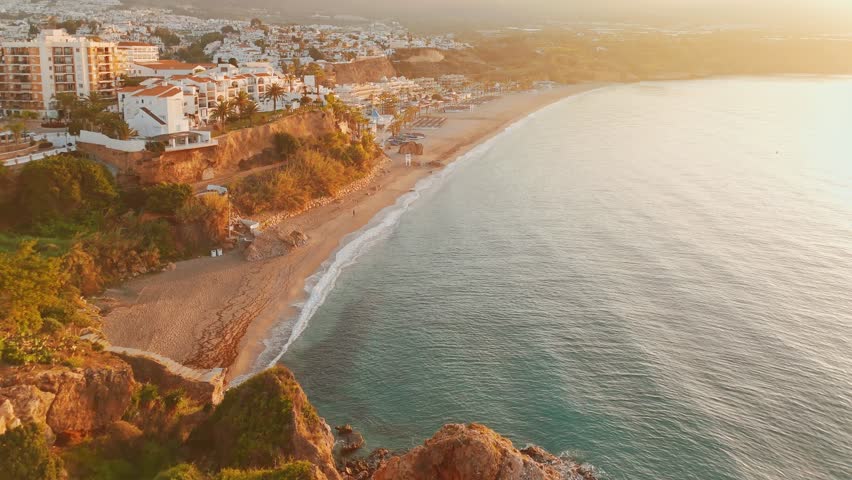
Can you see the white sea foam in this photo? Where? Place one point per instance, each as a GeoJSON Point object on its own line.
{"type": "Point", "coordinates": [319, 285]}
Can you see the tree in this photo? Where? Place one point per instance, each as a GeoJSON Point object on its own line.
{"type": "Point", "coordinates": [17, 129]}
{"type": "Point", "coordinates": [65, 103]}
{"type": "Point", "coordinates": [26, 455]}
{"type": "Point", "coordinates": [248, 110]}
{"type": "Point", "coordinates": [222, 112]}
{"type": "Point", "coordinates": [256, 22]}
{"type": "Point", "coordinates": [274, 93]}
{"type": "Point", "coordinates": [64, 189]}
{"type": "Point", "coordinates": [228, 29]}
{"type": "Point", "coordinates": [29, 285]}
{"type": "Point", "coordinates": [285, 144]}
{"type": "Point", "coordinates": [167, 198]}
{"type": "Point", "coordinates": [233, 61]}
{"type": "Point", "coordinates": [241, 101]}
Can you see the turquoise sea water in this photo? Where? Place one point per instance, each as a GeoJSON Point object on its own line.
{"type": "Point", "coordinates": [656, 278]}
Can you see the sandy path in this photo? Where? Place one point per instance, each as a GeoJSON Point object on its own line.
{"type": "Point", "coordinates": [215, 312]}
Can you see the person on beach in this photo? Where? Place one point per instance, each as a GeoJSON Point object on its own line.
{"type": "Point", "coordinates": [353, 213]}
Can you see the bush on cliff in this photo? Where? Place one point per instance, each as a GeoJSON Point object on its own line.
{"type": "Point", "coordinates": [63, 195]}
{"type": "Point", "coordinates": [184, 471]}
{"type": "Point", "coordinates": [167, 198]}
{"type": "Point", "coordinates": [290, 471]}
{"type": "Point", "coordinates": [237, 436]}
{"type": "Point", "coordinates": [25, 455]}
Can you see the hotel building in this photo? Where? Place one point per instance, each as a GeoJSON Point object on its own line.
{"type": "Point", "coordinates": [33, 72]}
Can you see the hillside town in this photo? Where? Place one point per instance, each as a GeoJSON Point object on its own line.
{"type": "Point", "coordinates": [176, 79]}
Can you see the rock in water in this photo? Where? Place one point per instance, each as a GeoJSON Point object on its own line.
{"type": "Point", "coordinates": [475, 452]}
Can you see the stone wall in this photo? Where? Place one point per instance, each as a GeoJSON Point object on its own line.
{"type": "Point", "coordinates": [202, 386]}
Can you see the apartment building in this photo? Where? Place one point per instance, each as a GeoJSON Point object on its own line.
{"type": "Point", "coordinates": [33, 72]}
{"type": "Point", "coordinates": [137, 52]}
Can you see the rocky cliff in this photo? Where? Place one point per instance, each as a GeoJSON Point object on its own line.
{"type": "Point", "coordinates": [189, 166]}
{"type": "Point", "coordinates": [72, 402]}
{"type": "Point", "coordinates": [263, 423]}
{"type": "Point", "coordinates": [264, 428]}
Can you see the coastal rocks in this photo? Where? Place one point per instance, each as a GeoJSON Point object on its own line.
{"type": "Point", "coordinates": [77, 401]}
{"type": "Point", "coordinates": [262, 423]}
{"type": "Point", "coordinates": [364, 468]}
{"type": "Point", "coordinates": [350, 440]}
{"type": "Point", "coordinates": [295, 239]}
{"type": "Point", "coordinates": [412, 148]}
{"type": "Point", "coordinates": [28, 403]}
{"type": "Point", "coordinates": [475, 452]}
{"type": "Point", "coordinates": [8, 420]}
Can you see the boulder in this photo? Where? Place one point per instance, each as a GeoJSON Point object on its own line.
{"type": "Point", "coordinates": [8, 420]}
{"type": "Point", "coordinates": [30, 403]}
{"type": "Point", "coordinates": [83, 400]}
{"type": "Point", "coordinates": [413, 148]}
{"type": "Point", "coordinates": [294, 239]}
{"type": "Point", "coordinates": [475, 452]}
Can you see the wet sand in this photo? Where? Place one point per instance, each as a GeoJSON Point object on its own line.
{"type": "Point", "coordinates": [216, 312]}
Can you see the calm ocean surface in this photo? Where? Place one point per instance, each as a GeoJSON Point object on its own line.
{"type": "Point", "coordinates": [655, 278]}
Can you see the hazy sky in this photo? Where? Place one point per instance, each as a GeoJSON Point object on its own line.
{"type": "Point", "coordinates": [764, 11]}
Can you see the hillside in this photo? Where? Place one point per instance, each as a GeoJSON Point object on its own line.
{"type": "Point", "coordinates": [362, 71]}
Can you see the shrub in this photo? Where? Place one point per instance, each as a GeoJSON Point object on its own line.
{"type": "Point", "coordinates": [285, 144]}
{"type": "Point", "coordinates": [290, 471]}
{"type": "Point", "coordinates": [61, 195]}
{"type": "Point", "coordinates": [183, 471]}
{"type": "Point", "coordinates": [167, 198]}
{"type": "Point", "coordinates": [29, 284]}
{"type": "Point", "coordinates": [26, 455]}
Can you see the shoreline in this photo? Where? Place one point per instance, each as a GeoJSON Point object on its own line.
{"type": "Point", "coordinates": [217, 312]}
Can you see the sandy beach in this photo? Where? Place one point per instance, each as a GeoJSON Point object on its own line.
{"type": "Point", "coordinates": [216, 312]}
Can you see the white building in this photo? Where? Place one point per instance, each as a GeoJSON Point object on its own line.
{"type": "Point", "coordinates": [154, 111]}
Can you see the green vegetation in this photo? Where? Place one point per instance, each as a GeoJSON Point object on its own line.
{"type": "Point", "coordinates": [169, 38]}
{"type": "Point", "coordinates": [311, 170]}
{"type": "Point", "coordinates": [236, 436]}
{"type": "Point", "coordinates": [63, 195]}
{"type": "Point", "coordinates": [90, 113]}
{"type": "Point", "coordinates": [167, 198]}
{"type": "Point", "coordinates": [290, 471]}
{"type": "Point", "coordinates": [285, 144]}
{"type": "Point", "coordinates": [26, 455]}
{"type": "Point", "coordinates": [183, 471]}
{"type": "Point", "coordinates": [137, 459]}
{"type": "Point", "coordinates": [194, 53]}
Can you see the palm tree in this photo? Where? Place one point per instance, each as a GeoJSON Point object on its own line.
{"type": "Point", "coordinates": [274, 92]}
{"type": "Point", "coordinates": [66, 103]}
{"type": "Point", "coordinates": [240, 102]}
{"type": "Point", "coordinates": [222, 112]}
{"type": "Point", "coordinates": [17, 129]}
{"type": "Point", "coordinates": [249, 110]}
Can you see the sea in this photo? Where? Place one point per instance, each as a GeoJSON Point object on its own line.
{"type": "Point", "coordinates": [653, 278]}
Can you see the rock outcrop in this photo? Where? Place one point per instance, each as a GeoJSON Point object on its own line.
{"type": "Point", "coordinates": [475, 452]}
{"type": "Point", "coordinates": [263, 423]}
{"type": "Point", "coordinates": [73, 402]}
